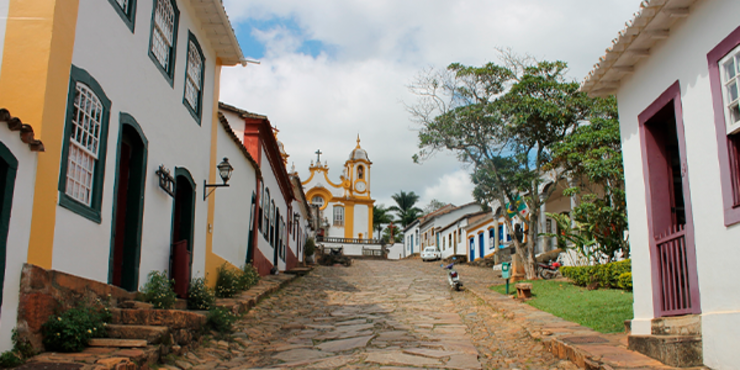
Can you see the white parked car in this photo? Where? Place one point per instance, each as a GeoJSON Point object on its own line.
{"type": "Point", "coordinates": [430, 254]}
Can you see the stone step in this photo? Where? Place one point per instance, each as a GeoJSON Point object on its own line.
{"type": "Point", "coordinates": [152, 334]}
{"type": "Point", "coordinates": [118, 343]}
{"type": "Point", "coordinates": [672, 350]}
{"type": "Point", "coordinates": [676, 325]}
{"type": "Point", "coordinates": [174, 319]}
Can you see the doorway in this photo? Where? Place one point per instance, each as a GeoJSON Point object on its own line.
{"type": "Point", "coordinates": [183, 219]}
{"type": "Point", "coordinates": [670, 222]}
{"type": "Point", "coordinates": [128, 207]}
{"type": "Point", "coordinates": [8, 169]}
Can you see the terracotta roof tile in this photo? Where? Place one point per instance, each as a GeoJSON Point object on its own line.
{"type": "Point", "coordinates": [26, 131]}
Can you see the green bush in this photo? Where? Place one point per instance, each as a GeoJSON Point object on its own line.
{"type": "Point", "coordinates": [607, 276]}
{"type": "Point", "coordinates": [625, 281]}
{"type": "Point", "coordinates": [249, 278]}
{"type": "Point", "coordinates": [22, 346]}
{"type": "Point", "coordinates": [10, 359]}
{"type": "Point", "coordinates": [228, 282]}
{"type": "Point", "coordinates": [71, 330]}
{"type": "Point", "coordinates": [221, 320]}
{"type": "Point", "coordinates": [310, 247]}
{"type": "Point", "coordinates": [158, 290]}
{"type": "Point", "coordinates": [200, 296]}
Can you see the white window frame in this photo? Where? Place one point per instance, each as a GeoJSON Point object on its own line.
{"type": "Point", "coordinates": [733, 57]}
{"type": "Point", "coordinates": [338, 216]}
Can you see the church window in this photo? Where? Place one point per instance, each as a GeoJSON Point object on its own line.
{"type": "Point", "coordinates": [164, 36]}
{"type": "Point", "coordinates": [360, 172]}
{"type": "Point", "coordinates": [194, 78]}
{"type": "Point", "coordinates": [126, 9]}
{"type": "Point", "coordinates": [338, 216]}
{"type": "Point", "coordinates": [318, 200]}
{"type": "Point", "coordinates": [84, 147]}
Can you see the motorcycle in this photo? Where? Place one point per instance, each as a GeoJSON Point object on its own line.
{"type": "Point", "coordinates": [548, 270]}
{"type": "Point", "coordinates": [453, 278]}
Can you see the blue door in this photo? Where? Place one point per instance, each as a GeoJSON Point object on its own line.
{"type": "Point", "coordinates": [472, 249]}
{"type": "Point", "coordinates": [482, 244]}
{"type": "Point", "coordinates": [412, 244]}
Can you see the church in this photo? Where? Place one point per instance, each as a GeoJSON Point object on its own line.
{"type": "Point", "coordinates": [346, 205]}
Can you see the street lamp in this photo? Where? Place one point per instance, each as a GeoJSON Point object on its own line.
{"type": "Point", "coordinates": [224, 170]}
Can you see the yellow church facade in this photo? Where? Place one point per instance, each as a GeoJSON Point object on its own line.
{"type": "Point", "coordinates": [347, 205]}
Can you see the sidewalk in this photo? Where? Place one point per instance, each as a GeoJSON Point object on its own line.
{"type": "Point", "coordinates": [584, 347]}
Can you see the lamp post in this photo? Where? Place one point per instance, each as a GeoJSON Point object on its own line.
{"type": "Point", "coordinates": [224, 170]}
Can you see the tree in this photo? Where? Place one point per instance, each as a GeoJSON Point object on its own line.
{"type": "Point", "coordinates": [404, 208]}
{"type": "Point", "coordinates": [381, 217]}
{"type": "Point", "coordinates": [433, 205]}
{"type": "Point", "coordinates": [593, 152]}
{"type": "Point", "coordinates": [503, 121]}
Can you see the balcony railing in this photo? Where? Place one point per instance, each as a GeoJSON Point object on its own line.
{"type": "Point", "coordinates": [326, 239]}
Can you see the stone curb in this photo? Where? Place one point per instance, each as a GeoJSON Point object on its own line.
{"type": "Point", "coordinates": [552, 331]}
{"type": "Point", "coordinates": [246, 300]}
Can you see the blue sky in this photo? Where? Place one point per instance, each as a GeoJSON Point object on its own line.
{"type": "Point", "coordinates": [332, 69]}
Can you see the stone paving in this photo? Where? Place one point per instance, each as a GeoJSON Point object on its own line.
{"type": "Point", "coordinates": [374, 314]}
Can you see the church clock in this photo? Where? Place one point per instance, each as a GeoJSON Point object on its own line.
{"type": "Point", "coordinates": [360, 186]}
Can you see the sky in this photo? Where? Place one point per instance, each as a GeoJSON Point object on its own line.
{"type": "Point", "coordinates": [331, 70]}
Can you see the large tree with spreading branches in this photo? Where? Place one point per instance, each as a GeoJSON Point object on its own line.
{"type": "Point", "coordinates": [503, 120]}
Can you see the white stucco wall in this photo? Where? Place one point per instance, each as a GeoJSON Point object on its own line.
{"type": "Point", "coordinates": [276, 195]}
{"type": "Point", "coordinates": [18, 231]}
{"type": "Point", "coordinates": [237, 123]}
{"type": "Point", "coordinates": [361, 222]}
{"type": "Point", "coordinates": [118, 59]}
{"type": "Point", "coordinates": [407, 240]}
{"type": "Point", "coordinates": [683, 57]}
{"type": "Point", "coordinates": [395, 251]}
{"type": "Point", "coordinates": [232, 214]}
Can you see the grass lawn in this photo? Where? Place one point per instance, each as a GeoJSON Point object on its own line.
{"type": "Point", "coordinates": [603, 310]}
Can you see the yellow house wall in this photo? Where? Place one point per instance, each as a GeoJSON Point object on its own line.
{"type": "Point", "coordinates": [37, 57]}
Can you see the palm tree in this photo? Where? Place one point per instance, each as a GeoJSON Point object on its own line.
{"type": "Point", "coordinates": [404, 207]}
{"type": "Point", "coordinates": [381, 216]}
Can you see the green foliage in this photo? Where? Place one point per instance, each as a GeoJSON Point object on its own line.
{"type": "Point", "coordinates": [624, 281]}
{"type": "Point", "coordinates": [221, 320]}
{"type": "Point", "coordinates": [200, 296]}
{"type": "Point", "coordinates": [249, 277]}
{"type": "Point", "coordinates": [71, 330]}
{"type": "Point", "coordinates": [397, 234]}
{"type": "Point", "coordinates": [433, 205]}
{"type": "Point", "coordinates": [610, 275]}
{"type": "Point", "coordinates": [404, 208]}
{"type": "Point", "coordinates": [10, 359]}
{"type": "Point", "coordinates": [22, 351]}
{"type": "Point", "coordinates": [381, 216]}
{"type": "Point", "coordinates": [158, 290]}
{"type": "Point", "coordinates": [603, 310]}
{"type": "Point", "coordinates": [504, 121]}
{"type": "Point", "coordinates": [593, 152]}
{"type": "Point", "coordinates": [228, 282]}
{"type": "Point", "coordinates": [310, 247]}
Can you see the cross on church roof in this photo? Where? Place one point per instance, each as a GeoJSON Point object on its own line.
{"type": "Point", "coordinates": [318, 156]}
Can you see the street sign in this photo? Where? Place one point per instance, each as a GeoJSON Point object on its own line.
{"type": "Point", "coordinates": [505, 270]}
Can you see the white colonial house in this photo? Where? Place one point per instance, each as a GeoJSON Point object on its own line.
{"type": "Point", "coordinates": [411, 244]}
{"type": "Point", "coordinates": [674, 71]}
{"type": "Point", "coordinates": [452, 236]}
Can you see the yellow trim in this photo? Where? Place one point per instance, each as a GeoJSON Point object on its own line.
{"type": "Point", "coordinates": [213, 261]}
{"type": "Point", "coordinates": [37, 57]}
{"type": "Point", "coordinates": [325, 170]}
{"type": "Point", "coordinates": [370, 221]}
{"type": "Point", "coordinates": [323, 192]}
{"type": "Point", "coordinates": [349, 220]}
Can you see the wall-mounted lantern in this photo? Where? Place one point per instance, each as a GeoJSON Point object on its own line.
{"type": "Point", "coordinates": [224, 170]}
{"type": "Point", "coordinates": [166, 181]}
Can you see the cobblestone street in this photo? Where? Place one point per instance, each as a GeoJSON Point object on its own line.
{"type": "Point", "coordinates": [375, 314]}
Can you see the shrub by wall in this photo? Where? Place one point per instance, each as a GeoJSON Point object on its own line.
{"type": "Point", "coordinates": [610, 275]}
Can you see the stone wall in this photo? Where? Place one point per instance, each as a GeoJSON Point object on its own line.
{"type": "Point", "coordinates": [45, 292]}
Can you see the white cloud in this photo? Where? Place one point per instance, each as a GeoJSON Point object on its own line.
{"type": "Point", "coordinates": [376, 49]}
{"type": "Point", "coordinates": [454, 188]}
